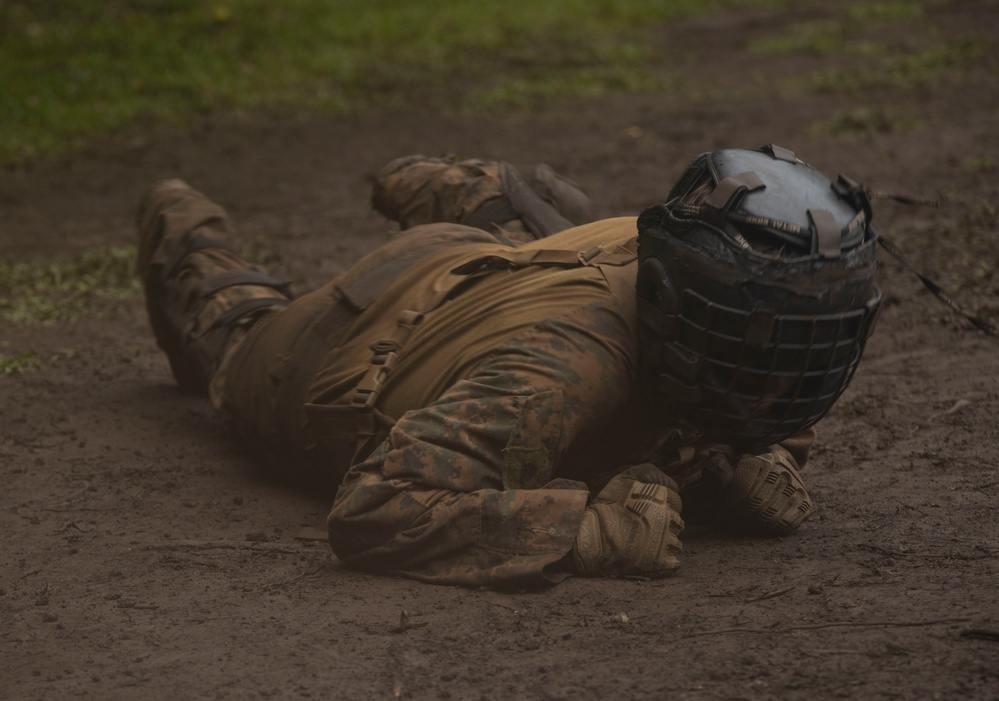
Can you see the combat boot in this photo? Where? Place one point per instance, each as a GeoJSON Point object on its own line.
{"type": "Point", "coordinates": [201, 295]}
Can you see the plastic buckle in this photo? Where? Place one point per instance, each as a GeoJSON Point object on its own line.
{"type": "Point", "coordinates": [371, 385]}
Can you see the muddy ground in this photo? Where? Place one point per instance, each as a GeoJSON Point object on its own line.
{"type": "Point", "coordinates": [143, 557]}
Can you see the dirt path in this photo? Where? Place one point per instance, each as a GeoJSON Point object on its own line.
{"type": "Point", "coordinates": [144, 558]}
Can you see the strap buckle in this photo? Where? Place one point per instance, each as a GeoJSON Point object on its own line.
{"type": "Point", "coordinates": [385, 358]}
{"type": "Point", "coordinates": [367, 390]}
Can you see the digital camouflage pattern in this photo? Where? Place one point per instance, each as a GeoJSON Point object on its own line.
{"type": "Point", "coordinates": [475, 488]}
{"type": "Point", "coordinates": [509, 403]}
{"type": "Point", "coordinates": [416, 190]}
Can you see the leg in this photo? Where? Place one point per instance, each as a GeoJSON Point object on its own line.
{"type": "Point", "coordinates": [201, 296]}
{"type": "Point", "coordinates": [263, 384]}
{"type": "Point", "coordinates": [488, 195]}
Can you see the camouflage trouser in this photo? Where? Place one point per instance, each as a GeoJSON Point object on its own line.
{"type": "Point", "coordinates": [201, 295]}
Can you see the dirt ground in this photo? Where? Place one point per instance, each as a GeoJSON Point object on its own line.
{"type": "Point", "coordinates": [144, 557]}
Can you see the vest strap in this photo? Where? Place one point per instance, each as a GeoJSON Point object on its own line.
{"type": "Point", "coordinates": [384, 358]}
{"type": "Point", "coordinates": [523, 258]}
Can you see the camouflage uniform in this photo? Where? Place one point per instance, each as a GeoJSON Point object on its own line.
{"type": "Point", "coordinates": [466, 406]}
{"type": "Point", "coordinates": [488, 195]}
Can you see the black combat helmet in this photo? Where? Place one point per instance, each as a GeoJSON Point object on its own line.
{"type": "Point", "coordinates": [757, 293]}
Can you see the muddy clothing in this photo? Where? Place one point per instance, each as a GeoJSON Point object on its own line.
{"type": "Point", "coordinates": [515, 389]}
{"type": "Point", "coordinates": [464, 396]}
{"type": "Point", "coordinates": [475, 474]}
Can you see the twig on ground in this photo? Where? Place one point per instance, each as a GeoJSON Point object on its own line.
{"type": "Point", "coordinates": [770, 595]}
{"type": "Point", "coordinates": [819, 626]}
{"type": "Point", "coordinates": [286, 582]}
{"type": "Point", "coordinates": [981, 634]}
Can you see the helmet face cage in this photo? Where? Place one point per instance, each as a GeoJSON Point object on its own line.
{"type": "Point", "coordinates": [756, 293]}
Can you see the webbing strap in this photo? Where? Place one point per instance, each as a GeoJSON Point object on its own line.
{"type": "Point", "coordinates": [828, 235]}
{"type": "Point", "coordinates": [540, 217]}
{"type": "Point", "coordinates": [241, 309]}
{"type": "Point", "coordinates": [491, 214]}
{"type": "Point", "coordinates": [187, 243]}
{"type": "Point", "coordinates": [384, 358]}
{"type": "Point", "coordinates": [230, 278]}
{"type": "Point", "coordinates": [780, 153]}
{"type": "Point", "coordinates": [359, 421]}
{"type": "Point", "coordinates": [311, 348]}
{"type": "Point", "coordinates": [731, 186]}
{"type": "Point", "coordinates": [520, 258]}
{"type": "Point", "coordinates": [362, 291]}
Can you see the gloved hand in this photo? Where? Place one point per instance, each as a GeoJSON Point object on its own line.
{"type": "Point", "coordinates": [632, 526]}
{"type": "Point", "coordinates": [764, 492]}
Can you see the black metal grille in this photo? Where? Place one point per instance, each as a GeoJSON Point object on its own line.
{"type": "Point", "coordinates": [763, 392]}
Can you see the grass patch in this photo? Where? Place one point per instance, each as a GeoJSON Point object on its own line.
{"type": "Point", "coordinates": [884, 12]}
{"type": "Point", "coordinates": [822, 37]}
{"type": "Point", "coordinates": [28, 361]}
{"type": "Point", "coordinates": [862, 121]}
{"type": "Point", "coordinates": [49, 292]}
{"type": "Point", "coordinates": [981, 163]}
{"type": "Point", "coordinates": [907, 72]}
{"type": "Point", "coordinates": [917, 58]}
{"type": "Point", "coordinates": [530, 92]}
{"type": "Point", "coordinates": [19, 364]}
{"type": "Point", "coordinates": [855, 32]}
{"type": "Point", "coordinates": [73, 69]}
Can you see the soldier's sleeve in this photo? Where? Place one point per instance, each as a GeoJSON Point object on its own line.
{"type": "Point", "coordinates": [462, 491]}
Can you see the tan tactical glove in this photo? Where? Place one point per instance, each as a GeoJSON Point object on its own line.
{"type": "Point", "coordinates": [764, 492]}
{"type": "Point", "coordinates": [632, 526]}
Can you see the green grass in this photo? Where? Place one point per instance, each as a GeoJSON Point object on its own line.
{"type": "Point", "coordinates": [75, 69]}
{"type": "Point", "coordinates": [44, 293]}
{"type": "Point", "coordinates": [863, 121]}
{"type": "Point", "coordinates": [855, 31]}
{"type": "Point", "coordinates": [981, 163]}
{"type": "Point", "coordinates": [19, 364]}
{"type": "Point", "coordinates": [905, 72]}
{"type": "Point", "coordinates": [822, 37]}
{"type": "Point", "coordinates": [870, 49]}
